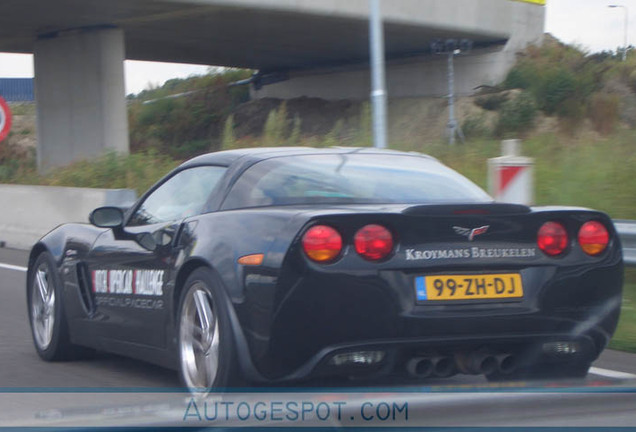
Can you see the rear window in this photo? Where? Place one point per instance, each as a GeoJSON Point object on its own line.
{"type": "Point", "coordinates": [350, 178]}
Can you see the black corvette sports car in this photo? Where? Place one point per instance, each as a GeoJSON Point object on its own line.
{"type": "Point", "coordinates": [271, 265]}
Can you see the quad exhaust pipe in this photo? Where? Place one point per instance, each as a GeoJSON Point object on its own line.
{"type": "Point", "coordinates": [420, 367]}
{"type": "Point", "coordinates": [444, 367]}
{"type": "Point", "coordinates": [483, 362]}
{"type": "Point", "coordinates": [480, 362]}
{"type": "Point", "coordinates": [437, 366]}
{"type": "Point", "coordinates": [506, 363]}
{"type": "Point", "coordinates": [476, 362]}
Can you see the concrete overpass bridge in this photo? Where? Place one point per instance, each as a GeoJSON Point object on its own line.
{"type": "Point", "coordinates": [313, 47]}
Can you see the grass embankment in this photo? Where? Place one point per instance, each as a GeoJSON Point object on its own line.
{"type": "Point", "coordinates": [589, 173]}
{"type": "Point", "coordinates": [594, 173]}
{"type": "Point", "coordinates": [137, 171]}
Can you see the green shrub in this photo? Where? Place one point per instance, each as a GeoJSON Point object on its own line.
{"type": "Point", "coordinates": [228, 141]}
{"type": "Point", "coordinates": [553, 88]}
{"type": "Point", "coordinates": [364, 133]}
{"type": "Point", "coordinates": [521, 76]}
{"type": "Point", "coordinates": [294, 136]}
{"type": "Point", "coordinates": [136, 171]}
{"type": "Point", "coordinates": [476, 126]}
{"type": "Point", "coordinates": [185, 116]}
{"type": "Point", "coordinates": [517, 115]}
{"type": "Point", "coordinates": [603, 112]}
{"type": "Point", "coordinates": [334, 137]}
{"type": "Point", "coordinates": [492, 102]}
{"type": "Point", "coordinates": [276, 127]}
{"type": "Point", "coordinates": [631, 80]}
{"type": "Point", "coordinates": [572, 113]}
{"type": "Point", "coordinates": [193, 148]}
{"type": "Point", "coordinates": [17, 164]}
{"type": "Point", "coordinates": [20, 108]}
{"type": "Point", "coordinates": [560, 78]}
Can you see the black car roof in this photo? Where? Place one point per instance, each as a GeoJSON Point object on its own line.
{"type": "Point", "coordinates": [228, 157]}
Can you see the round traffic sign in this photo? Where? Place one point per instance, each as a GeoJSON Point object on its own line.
{"type": "Point", "coordinates": [5, 119]}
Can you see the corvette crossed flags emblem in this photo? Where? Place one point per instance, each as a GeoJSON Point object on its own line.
{"type": "Point", "coordinates": [471, 233]}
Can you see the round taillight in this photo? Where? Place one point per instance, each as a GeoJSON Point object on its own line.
{"type": "Point", "coordinates": [373, 242]}
{"type": "Point", "coordinates": [593, 238]}
{"type": "Point", "coordinates": [322, 243]}
{"type": "Point", "coordinates": [552, 238]}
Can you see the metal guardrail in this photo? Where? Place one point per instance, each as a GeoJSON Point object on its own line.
{"type": "Point", "coordinates": [627, 232]}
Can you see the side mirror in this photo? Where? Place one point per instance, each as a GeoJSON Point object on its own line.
{"type": "Point", "coordinates": [107, 217]}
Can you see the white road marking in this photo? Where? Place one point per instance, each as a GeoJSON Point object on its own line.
{"type": "Point", "coordinates": [611, 374]}
{"type": "Point", "coordinates": [13, 267]}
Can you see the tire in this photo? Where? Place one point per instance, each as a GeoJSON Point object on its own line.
{"type": "Point", "coordinates": [207, 356]}
{"type": "Point", "coordinates": [548, 371]}
{"type": "Point", "coordinates": [45, 304]}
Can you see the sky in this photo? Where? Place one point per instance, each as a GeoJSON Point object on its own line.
{"type": "Point", "coordinates": [587, 23]}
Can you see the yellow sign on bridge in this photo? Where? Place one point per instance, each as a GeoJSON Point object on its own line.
{"type": "Point", "coordinates": [539, 2]}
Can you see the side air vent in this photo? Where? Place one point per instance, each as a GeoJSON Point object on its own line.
{"type": "Point", "coordinates": [85, 288]}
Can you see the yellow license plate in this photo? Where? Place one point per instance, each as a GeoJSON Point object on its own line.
{"type": "Point", "coordinates": [468, 287]}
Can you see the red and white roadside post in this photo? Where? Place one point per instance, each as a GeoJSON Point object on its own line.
{"type": "Point", "coordinates": [511, 176]}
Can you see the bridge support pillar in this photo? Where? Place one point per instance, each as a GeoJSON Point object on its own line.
{"type": "Point", "coordinates": [80, 93]}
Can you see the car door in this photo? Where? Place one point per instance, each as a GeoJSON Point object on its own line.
{"type": "Point", "coordinates": [132, 273]}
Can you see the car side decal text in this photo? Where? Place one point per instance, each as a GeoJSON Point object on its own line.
{"type": "Point", "coordinates": [131, 282]}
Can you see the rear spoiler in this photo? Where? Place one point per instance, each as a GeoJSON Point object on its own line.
{"type": "Point", "coordinates": [466, 209]}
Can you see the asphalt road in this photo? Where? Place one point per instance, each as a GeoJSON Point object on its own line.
{"type": "Point", "coordinates": [604, 398]}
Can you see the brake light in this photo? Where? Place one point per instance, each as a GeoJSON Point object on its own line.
{"type": "Point", "coordinates": [552, 238]}
{"type": "Point", "coordinates": [373, 242]}
{"type": "Point", "coordinates": [593, 238]}
{"type": "Point", "coordinates": [322, 243]}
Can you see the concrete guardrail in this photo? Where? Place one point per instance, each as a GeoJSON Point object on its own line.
{"type": "Point", "coordinates": [29, 212]}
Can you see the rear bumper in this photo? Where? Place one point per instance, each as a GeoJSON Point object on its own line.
{"type": "Point", "coordinates": [528, 349]}
{"type": "Point", "coordinates": [323, 315]}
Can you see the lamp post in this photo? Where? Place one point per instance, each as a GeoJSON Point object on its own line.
{"type": "Point", "coordinates": [378, 90]}
{"type": "Point", "coordinates": [452, 48]}
{"type": "Point", "coordinates": [626, 11]}
{"type": "Point", "coordinates": [453, 126]}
